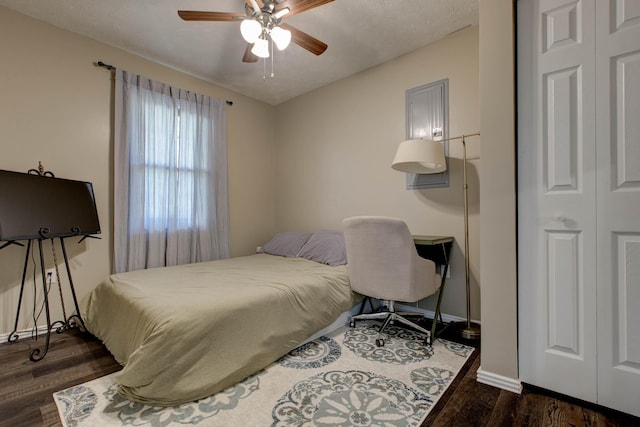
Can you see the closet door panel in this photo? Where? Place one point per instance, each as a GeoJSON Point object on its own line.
{"type": "Point", "coordinates": [579, 198]}
{"type": "Point", "coordinates": [556, 196]}
{"type": "Point", "coordinates": [618, 211]}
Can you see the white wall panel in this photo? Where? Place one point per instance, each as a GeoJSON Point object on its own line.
{"type": "Point", "coordinates": [564, 292]}
{"type": "Point", "coordinates": [626, 87]}
{"type": "Point", "coordinates": [561, 26]}
{"type": "Point", "coordinates": [627, 290]}
{"type": "Point", "coordinates": [626, 13]}
{"type": "Point", "coordinates": [562, 121]}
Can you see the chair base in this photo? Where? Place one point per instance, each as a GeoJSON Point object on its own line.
{"type": "Point", "coordinates": [389, 316]}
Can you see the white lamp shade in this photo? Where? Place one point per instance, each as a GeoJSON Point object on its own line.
{"type": "Point", "coordinates": [250, 30]}
{"type": "Point", "coordinates": [261, 48]}
{"type": "Point", "coordinates": [421, 156]}
{"type": "Point", "coordinates": [281, 37]}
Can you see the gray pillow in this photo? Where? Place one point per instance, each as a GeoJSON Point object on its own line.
{"type": "Point", "coordinates": [326, 247]}
{"type": "Point", "coordinates": [287, 244]}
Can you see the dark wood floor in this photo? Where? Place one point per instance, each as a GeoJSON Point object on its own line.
{"type": "Point", "coordinates": [26, 387]}
{"type": "Point", "coordinates": [470, 403]}
{"type": "Point", "coordinates": [26, 390]}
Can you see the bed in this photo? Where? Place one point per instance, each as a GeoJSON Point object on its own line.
{"type": "Point", "coordinates": [186, 332]}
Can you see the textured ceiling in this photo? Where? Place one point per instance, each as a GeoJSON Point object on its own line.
{"type": "Point", "coordinates": [360, 35]}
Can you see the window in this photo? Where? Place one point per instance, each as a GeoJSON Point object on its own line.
{"type": "Point", "coordinates": [171, 175]}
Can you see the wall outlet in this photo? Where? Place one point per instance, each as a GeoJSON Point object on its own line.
{"type": "Point", "coordinates": [50, 275]}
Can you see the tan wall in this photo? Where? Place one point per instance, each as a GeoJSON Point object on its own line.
{"type": "Point", "coordinates": [55, 107]}
{"type": "Point", "coordinates": [336, 144]}
{"type": "Point", "coordinates": [498, 191]}
{"type": "Point", "coordinates": [333, 157]}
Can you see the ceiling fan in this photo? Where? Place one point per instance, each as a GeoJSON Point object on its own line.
{"type": "Point", "coordinates": [262, 21]}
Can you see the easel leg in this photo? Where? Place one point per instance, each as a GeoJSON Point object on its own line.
{"type": "Point", "coordinates": [73, 291]}
{"type": "Point", "coordinates": [36, 354]}
{"type": "Point", "coordinates": [60, 326]}
{"type": "Point", "coordinates": [13, 336]}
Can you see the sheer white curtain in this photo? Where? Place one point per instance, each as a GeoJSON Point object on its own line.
{"type": "Point", "coordinates": [170, 175]}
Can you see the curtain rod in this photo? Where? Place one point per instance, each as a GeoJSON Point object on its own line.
{"type": "Point", "coordinates": [111, 68]}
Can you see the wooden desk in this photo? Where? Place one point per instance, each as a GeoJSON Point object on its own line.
{"type": "Point", "coordinates": [437, 249]}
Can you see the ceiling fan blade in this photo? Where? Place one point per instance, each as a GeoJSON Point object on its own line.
{"type": "Point", "coordinates": [299, 6]}
{"type": "Point", "coordinates": [248, 56]}
{"type": "Point", "coordinates": [306, 41]}
{"type": "Point", "coordinates": [195, 15]}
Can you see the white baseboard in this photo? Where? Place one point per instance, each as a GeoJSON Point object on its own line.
{"type": "Point", "coordinates": [505, 383]}
{"type": "Point", "coordinates": [430, 314]}
{"type": "Point", "coordinates": [24, 333]}
{"type": "Point", "coordinates": [345, 317]}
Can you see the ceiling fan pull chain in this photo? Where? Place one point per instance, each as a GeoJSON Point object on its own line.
{"type": "Point", "coordinates": [264, 69]}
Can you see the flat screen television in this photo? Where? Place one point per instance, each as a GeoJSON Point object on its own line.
{"type": "Point", "coordinates": [34, 207]}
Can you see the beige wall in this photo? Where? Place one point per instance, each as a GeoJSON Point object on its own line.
{"type": "Point", "coordinates": [332, 158]}
{"type": "Point", "coordinates": [55, 107]}
{"type": "Point", "coordinates": [336, 144]}
{"type": "Point", "coordinates": [498, 191]}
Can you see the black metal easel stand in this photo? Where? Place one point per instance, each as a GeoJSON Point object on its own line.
{"type": "Point", "coordinates": [75, 320]}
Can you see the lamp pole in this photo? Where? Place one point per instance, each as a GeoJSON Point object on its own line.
{"type": "Point", "coordinates": [468, 329]}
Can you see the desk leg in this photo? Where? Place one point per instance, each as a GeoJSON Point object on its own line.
{"type": "Point", "coordinates": [437, 313]}
{"type": "Point", "coordinates": [446, 249]}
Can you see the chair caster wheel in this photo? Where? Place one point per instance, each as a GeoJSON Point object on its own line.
{"type": "Point", "coordinates": [380, 342]}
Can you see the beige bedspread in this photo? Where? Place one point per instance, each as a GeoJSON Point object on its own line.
{"type": "Point", "coordinates": [186, 332]}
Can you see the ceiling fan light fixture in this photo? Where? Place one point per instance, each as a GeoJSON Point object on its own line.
{"type": "Point", "coordinates": [261, 48]}
{"type": "Point", "coordinates": [256, 8]}
{"type": "Point", "coordinates": [250, 30]}
{"type": "Point", "coordinates": [281, 37]}
{"type": "Point", "coordinates": [279, 14]}
{"type": "Point", "coordinates": [261, 26]}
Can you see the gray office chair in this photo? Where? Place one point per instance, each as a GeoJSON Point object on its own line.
{"type": "Point", "coordinates": [383, 263]}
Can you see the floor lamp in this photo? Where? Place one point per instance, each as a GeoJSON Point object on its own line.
{"type": "Point", "coordinates": [423, 156]}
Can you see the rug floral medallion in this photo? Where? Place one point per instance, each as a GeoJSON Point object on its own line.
{"type": "Point", "coordinates": [343, 379]}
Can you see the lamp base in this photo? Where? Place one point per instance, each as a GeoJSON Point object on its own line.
{"type": "Point", "coordinates": [469, 331]}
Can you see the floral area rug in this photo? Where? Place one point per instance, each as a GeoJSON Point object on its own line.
{"type": "Point", "coordinates": [342, 379]}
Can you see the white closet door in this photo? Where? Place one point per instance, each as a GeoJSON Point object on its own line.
{"type": "Point", "coordinates": [556, 196]}
{"type": "Point", "coordinates": [618, 196]}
